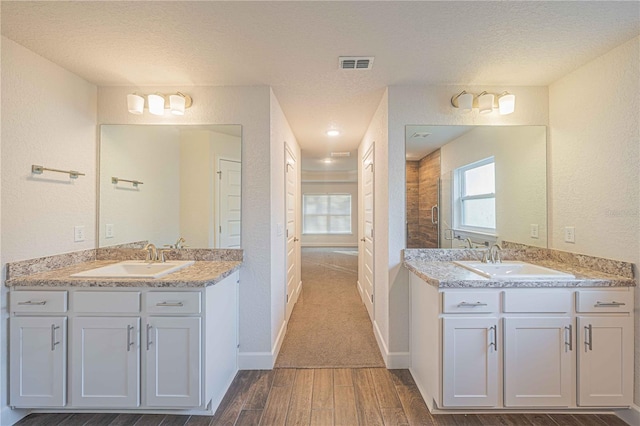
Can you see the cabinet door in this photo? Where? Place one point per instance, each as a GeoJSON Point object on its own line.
{"type": "Point", "coordinates": [538, 355]}
{"type": "Point", "coordinates": [173, 363]}
{"type": "Point", "coordinates": [605, 361]}
{"type": "Point", "coordinates": [38, 360]}
{"type": "Point", "coordinates": [470, 362]}
{"type": "Point", "coordinates": [105, 362]}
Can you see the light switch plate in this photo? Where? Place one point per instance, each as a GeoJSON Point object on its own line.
{"type": "Point", "coordinates": [109, 231]}
{"type": "Point", "coordinates": [279, 229]}
{"type": "Point", "coordinates": [569, 234]}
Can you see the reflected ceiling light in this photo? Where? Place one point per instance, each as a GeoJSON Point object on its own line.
{"type": "Point", "coordinates": [158, 102]}
{"type": "Point", "coordinates": [485, 102]}
{"type": "Point", "coordinates": [506, 103]}
{"type": "Point", "coordinates": [463, 101]}
{"type": "Point", "coordinates": [327, 161]}
{"type": "Point", "coordinates": [135, 103]}
{"type": "Point", "coordinates": [333, 133]}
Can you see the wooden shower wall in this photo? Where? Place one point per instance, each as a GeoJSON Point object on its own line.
{"type": "Point", "coordinates": [422, 194]}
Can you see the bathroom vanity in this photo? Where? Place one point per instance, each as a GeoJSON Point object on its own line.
{"type": "Point", "coordinates": [481, 343]}
{"type": "Point", "coordinates": [167, 344]}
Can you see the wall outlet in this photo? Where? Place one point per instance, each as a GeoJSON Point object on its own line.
{"type": "Point", "coordinates": [108, 230]}
{"type": "Point", "coordinates": [78, 233]}
{"type": "Point", "coordinates": [569, 234]}
{"type": "Point", "coordinates": [535, 230]}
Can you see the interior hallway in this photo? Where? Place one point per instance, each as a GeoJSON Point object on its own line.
{"type": "Point", "coordinates": [329, 326]}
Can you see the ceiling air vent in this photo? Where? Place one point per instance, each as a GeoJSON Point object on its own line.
{"type": "Point", "coordinates": [341, 154]}
{"type": "Point", "coordinates": [355, 62]}
{"type": "Point", "coordinates": [420, 135]}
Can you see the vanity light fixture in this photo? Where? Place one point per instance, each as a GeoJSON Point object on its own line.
{"type": "Point", "coordinates": [485, 102]}
{"type": "Point", "coordinates": [157, 103]}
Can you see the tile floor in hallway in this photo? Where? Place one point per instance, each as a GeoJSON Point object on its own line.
{"type": "Point", "coordinates": [349, 397]}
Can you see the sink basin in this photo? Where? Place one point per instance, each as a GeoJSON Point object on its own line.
{"type": "Point", "coordinates": [514, 270]}
{"type": "Point", "coordinates": [135, 269]}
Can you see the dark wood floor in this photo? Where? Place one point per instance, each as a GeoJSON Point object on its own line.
{"type": "Point", "coordinates": [348, 397]}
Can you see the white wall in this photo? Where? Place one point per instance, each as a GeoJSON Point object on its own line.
{"type": "Point", "coordinates": [430, 105]}
{"type": "Point", "coordinates": [521, 184]}
{"type": "Point", "coordinates": [323, 187]}
{"type": "Point", "coordinates": [595, 162]}
{"type": "Point", "coordinates": [280, 133]}
{"type": "Point", "coordinates": [152, 210]}
{"type": "Point", "coordinates": [48, 118]}
{"type": "Point", "coordinates": [249, 107]}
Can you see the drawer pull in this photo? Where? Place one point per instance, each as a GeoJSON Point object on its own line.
{"type": "Point", "coordinates": [179, 304]}
{"type": "Point", "coordinates": [608, 304]}
{"type": "Point", "coordinates": [53, 337]}
{"type": "Point", "coordinates": [470, 305]}
{"type": "Point", "coordinates": [32, 303]}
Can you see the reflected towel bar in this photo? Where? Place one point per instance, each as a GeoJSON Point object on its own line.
{"type": "Point", "coordinates": [134, 182]}
{"type": "Point", "coordinates": [39, 169]}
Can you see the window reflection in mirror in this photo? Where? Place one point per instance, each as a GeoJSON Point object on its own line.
{"type": "Point", "coordinates": [189, 185]}
{"type": "Point", "coordinates": [446, 203]}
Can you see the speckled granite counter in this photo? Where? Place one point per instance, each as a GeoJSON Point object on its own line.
{"type": "Point", "coordinates": [200, 274]}
{"type": "Point", "coordinates": [435, 267]}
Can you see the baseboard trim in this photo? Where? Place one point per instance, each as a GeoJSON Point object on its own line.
{"type": "Point", "coordinates": [630, 415]}
{"type": "Point", "coordinates": [398, 360]}
{"type": "Point", "coordinates": [381, 344]}
{"type": "Point", "coordinates": [10, 417]}
{"type": "Point", "coordinates": [262, 360]}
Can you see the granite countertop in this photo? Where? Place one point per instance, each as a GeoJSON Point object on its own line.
{"type": "Point", "coordinates": [200, 274]}
{"type": "Point", "coordinates": [445, 274]}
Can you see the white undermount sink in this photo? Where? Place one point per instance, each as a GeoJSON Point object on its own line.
{"type": "Point", "coordinates": [514, 270]}
{"type": "Point", "coordinates": [135, 269]}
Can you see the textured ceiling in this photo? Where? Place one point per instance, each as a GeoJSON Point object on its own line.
{"type": "Point", "coordinates": [294, 47]}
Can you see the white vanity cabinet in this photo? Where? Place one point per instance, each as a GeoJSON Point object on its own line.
{"type": "Point", "coordinates": [144, 348]}
{"type": "Point", "coordinates": [38, 349]}
{"type": "Point", "coordinates": [522, 348]}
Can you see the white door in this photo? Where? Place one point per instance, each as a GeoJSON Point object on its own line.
{"type": "Point", "coordinates": [229, 217]}
{"type": "Point", "coordinates": [105, 362]}
{"type": "Point", "coordinates": [173, 348]}
{"type": "Point", "coordinates": [538, 356]}
{"type": "Point", "coordinates": [605, 361]}
{"type": "Point", "coordinates": [470, 362]}
{"type": "Point", "coordinates": [291, 191]}
{"type": "Point", "coordinates": [365, 278]}
{"type": "Point", "coordinates": [38, 360]}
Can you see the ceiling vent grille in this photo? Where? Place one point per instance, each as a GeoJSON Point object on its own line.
{"type": "Point", "coordinates": [420, 135]}
{"type": "Point", "coordinates": [355, 62]}
{"type": "Point", "coordinates": [341, 154]}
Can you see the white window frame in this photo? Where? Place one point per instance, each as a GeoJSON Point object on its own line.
{"type": "Point", "coordinates": [328, 215]}
{"type": "Point", "coordinates": [459, 198]}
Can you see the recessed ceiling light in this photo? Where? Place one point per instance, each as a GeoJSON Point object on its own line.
{"type": "Point", "coordinates": [327, 161]}
{"type": "Point", "coordinates": [333, 132]}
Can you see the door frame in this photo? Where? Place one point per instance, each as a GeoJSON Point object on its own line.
{"type": "Point", "coordinates": [297, 276]}
{"type": "Point", "coordinates": [361, 226]}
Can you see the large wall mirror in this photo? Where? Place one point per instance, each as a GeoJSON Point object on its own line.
{"type": "Point", "coordinates": [476, 185]}
{"type": "Point", "coordinates": [159, 183]}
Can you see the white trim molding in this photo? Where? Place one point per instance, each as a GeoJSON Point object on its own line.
{"type": "Point", "coordinates": [630, 415]}
{"type": "Point", "coordinates": [262, 360]}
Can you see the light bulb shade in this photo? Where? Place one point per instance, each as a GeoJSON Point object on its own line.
{"type": "Point", "coordinates": [485, 103]}
{"type": "Point", "coordinates": [507, 103]}
{"type": "Point", "coordinates": [135, 103]}
{"type": "Point", "coordinates": [177, 104]}
{"type": "Point", "coordinates": [156, 104]}
{"type": "Point", "coordinates": [465, 102]}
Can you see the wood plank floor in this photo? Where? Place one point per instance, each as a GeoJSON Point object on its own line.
{"type": "Point", "coordinates": [319, 397]}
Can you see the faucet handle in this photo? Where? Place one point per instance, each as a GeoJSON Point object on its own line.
{"type": "Point", "coordinates": [162, 255]}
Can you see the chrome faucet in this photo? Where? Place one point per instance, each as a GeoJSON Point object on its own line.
{"type": "Point", "coordinates": [494, 253]}
{"type": "Point", "coordinates": [178, 245]}
{"type": "Point", "coordinates": [152, 253]}
{"type": "Point", "coordinates": [468, 240]}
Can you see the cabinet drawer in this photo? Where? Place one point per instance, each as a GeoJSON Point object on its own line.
{"type": "Point", "coordinates": [604, 301]}
{"type": "Point", "coordinates": [173, 302]}
{"type": "Point", "coordinates": [531, 301]}
{"type": "Point", "coordinates": [106, 302]}
{"type": "Point", "coordinates": [470, 302]}
{"type": "Point", "coordinates": [38, 301]}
